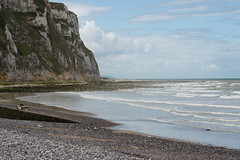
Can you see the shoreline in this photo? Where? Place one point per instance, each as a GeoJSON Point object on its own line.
{"type": "Point", "coordinates": [10, 102]}
{"type": "Point", "coordinates": [93, 132]}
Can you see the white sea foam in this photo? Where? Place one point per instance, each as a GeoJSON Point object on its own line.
{"type": "Point", "coordinates": [208, 117]}
{"type": "Point", "coordinates": [114, 99]}
{"type": "Point", "coordinates": [191, 95]}
{"type": "Point", "coordinates": [230, 97]}
{"type": "Point", "coordinates": [217, 123]}
{"type": "Point", "coordinates": [234, 84]}
{"type": "Point", "coordinates": [236, 92]}
{"type": "Point", "coordinates": [160, 92]}
{"type": "Point", "coordinates": [208, 112]}
{"type": "Point", "coordinates": [187, 95]}
{"type": "Point", "coordinates": [192, 90]}
{"type": "Point", "coordinates": [127, 90]}
{"type": "Point", "coordinates": [208, 95]}
{"type": "Point", "coordinates": [195, 124]}
{"type": "Point", "coordinates": [206, 124]}
{"type": "Point", "coordinates": [190, 84]}
{"type": "Point", "coordinates": [155, 93]}
{"type": "Point", "coordinates": [192, 113]}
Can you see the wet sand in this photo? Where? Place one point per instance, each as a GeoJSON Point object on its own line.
{"type": "Point", "coordinates": [64, 134]}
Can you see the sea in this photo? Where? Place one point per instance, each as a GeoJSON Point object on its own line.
{"type": "Point", "coordinates": [199, 111]}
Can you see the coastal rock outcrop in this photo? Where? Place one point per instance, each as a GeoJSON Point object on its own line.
{"type": "Point", "coordinates": [40, 41]}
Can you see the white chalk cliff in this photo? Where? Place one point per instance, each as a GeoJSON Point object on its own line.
{"type": "Point", "coordinates": [40, 41]}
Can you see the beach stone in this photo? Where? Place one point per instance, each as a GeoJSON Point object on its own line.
{"type": "Point", "coordinates": [21, 145]}
{"type": "Point", "coordinates": [21, 139]}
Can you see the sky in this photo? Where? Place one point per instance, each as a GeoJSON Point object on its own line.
{"type": "Point", "coordinates": [161, 39]}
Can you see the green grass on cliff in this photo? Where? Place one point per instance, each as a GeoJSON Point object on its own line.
{"type": "Point", "coordinates": [58, 6]}
{"type": "Point", "coordinates": [3, 47]}
{"type": "Point", "coordinates": [21, 18]}
{"type": "Point", "coordinates": [86, 50]}
{"type": "Point", "coordinates": [24, 49]}
{"type": "Point", "coordinates": [62, 21]}
{"type": "Point", "coordinates": [55, 65]}
{"type": "Point", "coordinates": [65, 27]}
{"type": "Point", "coordinates": [3, 43]}
{"type": "Point", "coordinates": [2, 22]}
{"type": "Point", "coordinates": [40, 4]}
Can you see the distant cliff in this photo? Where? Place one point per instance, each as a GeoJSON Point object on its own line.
{"type": "Point", "coordinates": [40, 41]}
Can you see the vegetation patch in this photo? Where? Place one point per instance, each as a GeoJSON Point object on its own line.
{"type": "Point", "coordinates": [2, 22]}
{"type": "Point", "coordinates": [43, 63]}
{"type": "Point", "coordinates": [40, 4]}
{"type": "Point", "coordinates": [67, 38]}
{"type": "Point", "coordinates": [86, 50]}
{"type": "Point", "coordinates": [58, 6]}
{"type": "Point", "coordinates": [40, 28]}
{"type": "Point", "coordinates": [56, 66]}
{"type": "Point", "coordinates": [3, 44]}
{"type": "Point", "coordinates": [60, 21]}
{"type": "Point", "coordinates": [5, 17]}
{"type": "Point", "coordinates": [63, 26]}
{"type": "Point", "coordinates": [34, 34]}
{"type": "Point", "coordinates": [72, 38]}
{"type": "Point", "coordinates": [24, 49]}
{"type": "Point", "coordinates": [22, 17]}
{"type": "Point", "coordinates": [3, 48]}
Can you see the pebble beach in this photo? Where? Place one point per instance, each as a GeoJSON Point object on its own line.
{"type": "Point", "coordinates": [24, 139]}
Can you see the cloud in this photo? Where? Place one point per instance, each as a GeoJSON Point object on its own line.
{"type": "Point", "coordinates": [83, 10]}
{"type": "Point", "coordinates": [172, 15]}
{"type": "Point", "coordinates": [152, 17]}
{"type": "Point", "coordinates": [211, 67]}
{"type": "Point", "coordinates": [194, 31]}
{"type": "Point", "coordinates": [187, 2]}
{"type": "Point", "coordinates": [158, 56]}
{"type": "Point", "coordinates": [179, 2]}
{"type": "Point", "coordinates": [187, 9]}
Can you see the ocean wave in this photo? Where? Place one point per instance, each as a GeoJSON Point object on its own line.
{"type": "Point", "coordinates": [186, 95]}
{"type": "Point", "coordinates": [193, 90]}
{"type": "Point", "coordinates": [234, 84]}
{"type": "Point", "coordinates": [155, 93]}
{"type": "Point", "coordinates": [191, 95]}
{"type": "Point", "coordinates": [212, 118]}
{"type": "Point", "coordinates": [235, 92]}
{"type": "Point", "coordinates": [115, 99]}
{"type": "Point", "coordinates": [197, 124]}
{"type": "Point", "coordinates": [230, 97]}
{"type": "Point", "coordinates": [208, 113]}
{"type": "Point", "coordinates": [208, 95]}
{"type": "Point", "coordinates": [205, 84]}
{"type": "Point", "coordinates": [217, 123]}
{"type": "Point", "coordinates": [195, 114]}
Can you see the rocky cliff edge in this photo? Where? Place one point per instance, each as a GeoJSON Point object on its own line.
{"type": "Point", "coordinates": [40, 41]}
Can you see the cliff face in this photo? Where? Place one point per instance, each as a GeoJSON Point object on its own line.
{"type": "Point", "coordinates": [40, 41]}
